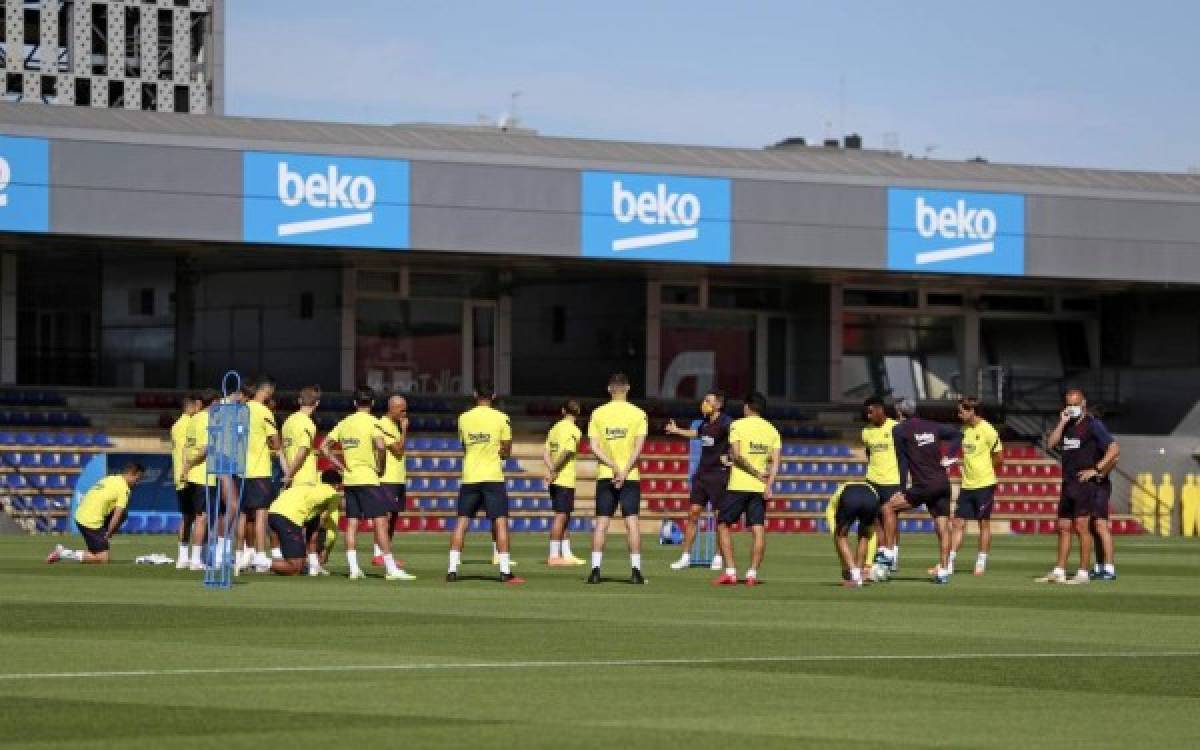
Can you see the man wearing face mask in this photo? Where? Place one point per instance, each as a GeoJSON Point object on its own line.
{"type": "Point", "coordinates": [1089, 454]}
{"type": "Point", "coordinates": [712, 470]}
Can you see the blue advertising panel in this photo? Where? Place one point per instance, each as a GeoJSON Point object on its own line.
{"type": "Point", "coordinates": [24, 184]}
{"type": "Point", "coordinates": [954, 232]}
{"type": "Point", "coordinates": [655, 217]}
{"type": "Point", "coordinates": [305, 199]}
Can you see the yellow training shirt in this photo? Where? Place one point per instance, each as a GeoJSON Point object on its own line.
{"type": "Point", "coordinates": [356, 434]}
{"type": "Point", "coordinates": [616, 426]}
{"type": "Point", "coordinates": [301, 503]}
{"type": "Point", "coordinates": [179, 433]}
{"type": "Point", "coordinates": [564, 438]}
{"type": "Point", "coordinates": [394, 470]}
{"type": "Point", "coordinates": [104, 497]}
{"type": "Point", "coordinates": [882, 467]}
{"type": "Point", "coordinates": [979, 444]}
{"type": "Point", "coordinates": [298, 432]}
{"type": "Point", "coordinates": [481, 431]}
{"type": "Point", "coordinates": [197, 442]}
{"type": "Point", "coordinates": [757, 440]}
{"type": "Point", "coordinates": [258, 449]}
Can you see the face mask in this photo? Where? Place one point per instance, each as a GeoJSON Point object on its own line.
{"type": "Point", "coordinates": [706, 408]}
{"type": "Point", "coordinates": [1074, 412]}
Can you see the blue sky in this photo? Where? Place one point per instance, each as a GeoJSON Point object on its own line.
{"type": "Point", "coordinates": [1101, 83]}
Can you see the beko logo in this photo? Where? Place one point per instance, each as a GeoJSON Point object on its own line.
{"type": "Point", "coordinates": [957, 222]}
{"type": "Point", "coordinates": [24, 184]}
{"type": "Point", "coordinates": [655, 217]}
{"type": "Point", "coordinates": [955, 232]}
{"type": "Point", "coordinates": [330, 189]}
{"type": "Point", "coordinates": [341, 201]}
{"type": "Point", "coordinates": [655, 209]}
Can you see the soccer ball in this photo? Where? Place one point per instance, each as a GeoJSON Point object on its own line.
{"type": "Point", "coordinates": [879, 573]}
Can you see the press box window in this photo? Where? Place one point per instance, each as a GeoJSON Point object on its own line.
{"type": "Point", "coordinates": [879, 297]}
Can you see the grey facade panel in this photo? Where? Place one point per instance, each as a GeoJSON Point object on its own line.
{"type": "Point", "coordinates": [145, 191]}
{"type": "Point", "coordinates": [487, 209]}
{"type": "Point", "coordinates": [805, 224]}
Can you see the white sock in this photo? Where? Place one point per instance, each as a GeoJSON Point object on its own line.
{"type": "Point", "coordinates": [635, 561]}
{"type": "Point", "coordinates": [685, 558]}
{"type": "Point", "coordinates": [717, 559]}
{"type": "Point", "coordinates": [220, 553]}
{"type": "Point", "coordinates": [1081, 572]}
{"type": "Point", "coordinates": [752, 573]}
{"type": "Point", "coordinates": [389, 563]}
{"type": "Point", "coordinates": [981, 560]}
{"type": "Point", "coordinates": [555, 548]}
{"type": "Point", "coordinates": [352, 560]}
{"type": "Point", "coordinates": [183, 553]}
{"type": "Point", "coordinates": [455, 560]}
{"type": "Point", "coordinates": [856, 575]}
{"type": "Point", "coordinates": [248, 551]}
{"type": "Point", "coordinates": [1110, 567]}
{"type": "Point", "coordinates": [276, 553]}
{"type": "Point", "coordinates": [597, 557]}
{"type": "Point", "coordinates": [731, 572]}
{"type": "Point", "coordinates": [76, 555]}
{"type": "Point", "coordinates": [1058, 572]}
{"type": "Point", "coordinates": [953, 557]}
{"type": "Point", "coordinates": [314, 561]}
{"type": "Point", "coordinates": [566, 548]}
{"type": "Point", "coordinates": [376, 551]}
{"type": "Point", "coordinates": [505, 567]}
{"type": "Point", "coordinates": [197, 553]}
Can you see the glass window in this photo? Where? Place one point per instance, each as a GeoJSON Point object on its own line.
{"type": "Point", "coordinates": [901, 356]}
{"type": "Point", "coordinates": [409, 346]}
{"type": "Point", "coordinates": [701, 351]}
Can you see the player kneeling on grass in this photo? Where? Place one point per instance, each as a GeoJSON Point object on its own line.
{"type": "Point", "coordinates": [298, 517]}
{"type": "Point", "coordinates": [99, 515]}
{"type": "Point", "coordinates": [855, 502]}
{"type": "Point", "coordinates": [754, 446]}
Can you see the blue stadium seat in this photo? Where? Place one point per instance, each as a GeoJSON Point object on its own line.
{"type": "Point", "coordinates": [135, 524]}
{"type": "Point", "coordinates": [452, 484]}
{"type": "Point", "coordinates": [156, 523]}
{"type": "Point", "coordinates": [173, 522]}
{"type": "Point", "coordinates": [40, 504]}
{"type": "Point", "coordinates": [480, 524]}
{"type": "Point", "coordinates": [518, 524]}
{"type": "Point", "coordinates": [59, 525]}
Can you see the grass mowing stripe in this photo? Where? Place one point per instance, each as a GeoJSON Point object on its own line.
{"type": "Point", "coordinates": [557, 664]}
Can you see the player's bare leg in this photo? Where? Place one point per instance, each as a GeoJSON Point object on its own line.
{"type": "Point", "coordinates": [725, 545]}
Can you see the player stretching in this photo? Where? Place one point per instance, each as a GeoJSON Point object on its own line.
{"type": "Point", "coordinates": [918, 441]}
{"type": "Point", "coordinates": [982, 455]}
{"type": "Point", "coordinates": [188, 405]}
{"type": "Point", "coordinates": [883, 470]}
{"type": "Point", "coordinates": [558, 455]}
{"type": "Point", "coordinates": [486, 435]}
{"type": "Point", "coordinates": [394, 427]}
{"type": "Point", "coordinates": [258, 490]}
{"type": "Point", "coordinates": [362, 451]}
{"type": "Point", "coordinates": [1089, 454]}
{"type": "Point", "coordinates": [99, 515]}
{"type": "Point", "coordinates": [617, 431]}
{"type": "Point", "coordinates": [193, 469]}
{"type": "Point", "coordinates": [855, 502]}
{"type": "Point", "coordinates": [712, 470]}
{"type": "Point", "coordinates": [754, 447]}
{"type": "Point", "coordinates": [298, 517]}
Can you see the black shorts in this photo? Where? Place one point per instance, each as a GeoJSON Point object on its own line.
{"type": "Point", "coordinates": [976, 504]}
{"type": "Point", "coordinates": [366, 501]}
{"type": "Point", "coordinates": [94, 539]}
{"type": "Point", "coordinates": [394, 494]}
{"type": "Point", "coordinates": [608, 498]}
{"type": "Point", "coordinates": [708, 489]}
{"type": "Point", "coordinates": [191, 499]}
{"type": "Point", "coordinates": [885, 491]}
{"type": "Point", "coordinates": [735, 505]}
{"type": "Point", "coordinates": [935, 499]}
{"type": "Point", "coordinates": [291, 537]}
{"type": "Point", "coordinates": [257, 494]}
{"type": "Point", "coordinates": [562, 499]}
{"type": "Point", "coordinates": [1078, 499]}
{"type": "Point", "coordinates": [1100, 500]}
{"type": "Point", "coordinates": [857, 504]}
{"type": "Point", "coordinates": [490, 497]}
{"type": "Point", "coordinates": [313, 527]}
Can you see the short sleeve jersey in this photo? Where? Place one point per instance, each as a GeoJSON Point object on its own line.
{"type": "Point", "coordinates": [258, 447]}
{"type": "Point", "coordinates": [394, 470]}
{"type": "Point", "coordinates": [564, 438]}
{"type": "Point", "coordinates": [197, 442]}
{"type": "Point", "coordinates": [481, 430]}
{"type": "Point", "coordinates": [979, 444]}
{"type": "Point", "coordinates": [298, 432]}
{"type": "Point", "coordinates": [616, 426]}
{"type": "Point", "coordinates": [301, 503]}
{"type": "Point", "coordinates": [756, 440]}
{"type": "Point", "coordinates": [356, 434]}
{"type": "Point", "coordinates": [882, 465]}
{"type": "Point", "coordinates": [104, 497]}
{"type": "Point", "coordinates": [179, 433]}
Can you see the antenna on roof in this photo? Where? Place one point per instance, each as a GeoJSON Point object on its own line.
{"type": "Point", "coordinates": [509, 119]}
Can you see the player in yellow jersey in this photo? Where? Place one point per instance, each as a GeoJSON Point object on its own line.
{"type": "Point", "coordinates": [754, 449]}
{"type": "Point", "coordinates": [297, 517]}
{"type": "Point", "coordinates": [617, 432]}
{"type": "Point", "coordinates": [258, 489]}
{"type": "Point", "coordinates": [198, 487]}
{"type": "Point", "coordinates": [854, 502]}
{"type": "Point", "coordinates": [99, 516]}
{"type": "Point", "coordinates": [982, 455]}
{"type": "Point", "coordinates": [486, 435]}
{"type": "Point", "coordinates": [558, 455]}
{"type": "Point", "coordinates": [394, 427]}
{"type": "Point", "coordinates": [361, 464]}
{"type": "Point", "coordinates": [883, 469]}
{"type": "Point", "coordinates": [298, 453]}
{"type": "Point", "coordinates": [188, 406]}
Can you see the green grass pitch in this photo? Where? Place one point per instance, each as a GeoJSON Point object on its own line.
{"type": "Point", "coordinates": [992, 662]}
